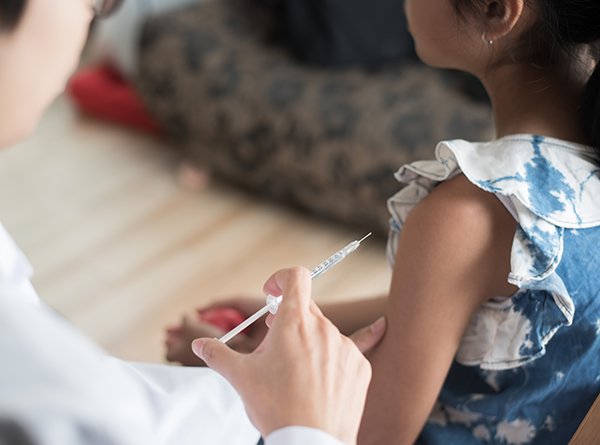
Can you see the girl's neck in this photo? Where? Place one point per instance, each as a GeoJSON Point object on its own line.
{"type": "Point", "coordinates": [529, 100]}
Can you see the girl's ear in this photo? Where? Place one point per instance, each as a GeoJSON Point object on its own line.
{"type": "Point", "coordinates": [501, 16]}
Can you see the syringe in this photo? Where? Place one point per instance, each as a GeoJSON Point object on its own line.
{"type": "Point", "coordinates": [274, 302]}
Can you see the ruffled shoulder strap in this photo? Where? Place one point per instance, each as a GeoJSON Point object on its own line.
{"type": "Point", "coordinates": [553, 186]}
{"type": "Point", "coordinates": [557, 181]}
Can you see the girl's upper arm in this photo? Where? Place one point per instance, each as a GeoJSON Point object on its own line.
{"type": "Point", "coordinates": [453, 255]}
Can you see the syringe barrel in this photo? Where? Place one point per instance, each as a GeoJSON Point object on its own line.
{"type": "Point", "coordinates": [333, 260]}
{"type": "Point", "coordinates": [273, 302]}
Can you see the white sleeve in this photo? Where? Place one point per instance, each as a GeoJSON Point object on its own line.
{"type": "Point", "coordinates": [58, 387]}
{"type": "Point", "coordinates": [15, 271]}
{"type": "Point", "coordinates": [301, 435]}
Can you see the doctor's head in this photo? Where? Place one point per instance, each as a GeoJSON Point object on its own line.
{"type": "Point", "coordinates": [40, 45]}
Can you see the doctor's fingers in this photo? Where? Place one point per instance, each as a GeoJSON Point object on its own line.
{"type": "Point", "coordinates": [218, 356]}
{"type": "Point", "coordinates": [368, 337]}
{"type": "Point", "coordinates": [295, 286]}
{"type": "Point", "coordinates": [314, 309]}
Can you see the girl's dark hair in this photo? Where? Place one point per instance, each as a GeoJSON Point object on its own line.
{"type": "Point", "coordinates": [557, 38]}
{"type": "Point", "coordinates": [10, 13]}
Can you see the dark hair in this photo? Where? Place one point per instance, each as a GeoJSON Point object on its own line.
{"type": "Point", "coordinates": [10, 13]}
{"type": "Point", "coordinates": [556, 39]}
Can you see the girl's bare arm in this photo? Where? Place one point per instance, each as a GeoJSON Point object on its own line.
{"type": "Point", "coordinates": [453, 255]}
{"type": "Point", "coordinates": [351, 316]}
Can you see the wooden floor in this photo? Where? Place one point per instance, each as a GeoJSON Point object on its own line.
{"type": "Point", "coordinates": [122, 251]}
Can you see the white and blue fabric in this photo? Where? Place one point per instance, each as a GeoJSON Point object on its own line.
{"type": "Point", "coordinates": [528, 367]}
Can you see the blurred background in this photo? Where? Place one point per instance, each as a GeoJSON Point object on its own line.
{"type": "Point", "coordinates": [203, 145]}
{"type": "Point", "coordinates": [121, 250]}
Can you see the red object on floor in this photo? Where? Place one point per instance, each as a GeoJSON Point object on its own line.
{"type": "Point", "coordinates": [103, 93]}
{"type": "Point", "coordinates": [224, 318]}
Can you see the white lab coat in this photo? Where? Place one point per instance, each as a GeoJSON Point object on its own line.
{"type": "Point", "coordinates": [59, 388]}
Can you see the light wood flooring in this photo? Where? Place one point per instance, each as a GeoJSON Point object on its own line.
{"type": "Point", "coordinates": [122, 251]}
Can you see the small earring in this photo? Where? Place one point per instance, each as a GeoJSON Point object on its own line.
{"type": "Point", "coordinates": [485, 39]}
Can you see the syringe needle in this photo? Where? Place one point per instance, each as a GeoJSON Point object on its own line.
{"type": "Point", "coordinates": [365, 237]}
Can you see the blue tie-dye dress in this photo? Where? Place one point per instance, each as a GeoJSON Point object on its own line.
{"type": "Point", "coordinates": [528, 367]}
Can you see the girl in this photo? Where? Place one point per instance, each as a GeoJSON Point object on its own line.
{"type": "Point", "coordinates": [494, 307]}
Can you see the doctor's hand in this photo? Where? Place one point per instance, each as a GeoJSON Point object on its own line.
{"type": "Point", "coordinates": [304, 372]}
